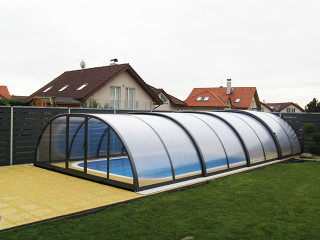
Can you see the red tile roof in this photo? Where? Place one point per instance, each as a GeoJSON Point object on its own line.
{"type": "Point", "coordinates": [95, 78]}
{"type": "Point", "coordinates": [218, 97]}
{"type": "Point", "coordinates": [171, 98]}
{"type": "Point", "coordinates": [4, 92]}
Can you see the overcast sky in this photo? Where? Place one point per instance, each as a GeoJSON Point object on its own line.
{"type": "Point", "coordinates": [273, 45]}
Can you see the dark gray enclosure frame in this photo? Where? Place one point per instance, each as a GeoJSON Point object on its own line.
{"type": "Point", "coordinates": [137, 185]}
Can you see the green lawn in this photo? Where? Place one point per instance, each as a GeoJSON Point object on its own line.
{"type": "Point", "coordinates": [281, 201]}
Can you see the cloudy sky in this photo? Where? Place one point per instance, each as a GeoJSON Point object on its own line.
{"type": "Point", "coordinates": [273, 45]}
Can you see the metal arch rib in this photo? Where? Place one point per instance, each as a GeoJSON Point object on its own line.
{"type": "Point", "coordinates": [284, 132]}
{"type": "Point", "coordinates": [133, 167]}
{"type": "Point", "coordinates": [192, 138]}
{"type": "Point", "coordinates": [235, 131]}
{"type": "Point", "coordinates": [224, 149]}
{"type": "Point", "coordinates": [266, 126]}
{"type": "Point", "coordinates": [264, 152]}
{"type": "Point", "coordinates": [165, 147]}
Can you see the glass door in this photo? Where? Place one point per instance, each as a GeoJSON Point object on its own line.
{"type": "Point", "coordinates": [129, 98]}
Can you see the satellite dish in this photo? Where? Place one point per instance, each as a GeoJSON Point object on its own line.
{"type": "Point", "coordinates": [82, 64]}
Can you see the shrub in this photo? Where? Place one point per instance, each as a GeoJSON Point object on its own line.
{"type": "Point", "coordinates": [316, 138]}
{"type": "Point", "coordinates": [106, 105]}
{"type": "Point", "coordinates": [314, 148]}
{"type": "Point", "coordinates": [308, 128]}
{"type": "Point", "coordinates": [4, 102]}
{"type": "Point", "coordinates": [94, 104]}
{"type": "Point", "coordinates": [16, 102]}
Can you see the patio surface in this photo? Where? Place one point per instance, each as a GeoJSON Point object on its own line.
{"type": "Point", "coordinates": [29, 194]}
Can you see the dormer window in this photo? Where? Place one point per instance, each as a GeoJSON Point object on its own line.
{"type": "Point", "coordinates": [163, 99]}
{"type": "Point", "coordinates": [237, 100]}
{"type": "Point", "coordinates": [199, 99]}
{"type": "Point", "coordinates": [206, 99]}
{"type": "Point", "coordinates": [82, 86]}
{"type": "Point", "coordinates": [63, 88]}
{"type": "Point", "coordinates": [48, 89]}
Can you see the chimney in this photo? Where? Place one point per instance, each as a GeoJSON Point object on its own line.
{"type": "Point", "coordinates": [229, 89]}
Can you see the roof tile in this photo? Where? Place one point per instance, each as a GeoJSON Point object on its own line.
{"type": "Point", "coordinates": [4, 92]}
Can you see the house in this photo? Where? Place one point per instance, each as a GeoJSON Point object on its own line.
{"type": "Point", "coordinates": [116, 86]}
{"type": "Point", "coordinates": [286, 107]}
{"type": "Point", "coordinates": [223, 98]}
{"type": "Point", "coordinates": [170, 103]}
{"type": "Point", "coordinates": [4, 92]}
{"type": "Point", "coordinates": [19, 98]}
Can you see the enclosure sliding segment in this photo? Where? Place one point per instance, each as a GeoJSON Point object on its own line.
{"type": "Point", "coordinates": [85, 146]}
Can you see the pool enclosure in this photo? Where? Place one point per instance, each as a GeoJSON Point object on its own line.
{"type": "Point", "coordinates": [139, 151]}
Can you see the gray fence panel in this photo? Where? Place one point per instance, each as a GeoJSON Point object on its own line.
{"type": "Point", "coordinates": [297, 121]}
{"type": "Point", "coordinates": [28, 123]}
{"type": "Point", "coordinates": [5, 119]}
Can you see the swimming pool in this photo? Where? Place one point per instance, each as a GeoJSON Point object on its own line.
{"type": "Point", "coordinates": [121, 167]}
{"type": "Point", "coordinates": [118, 166]}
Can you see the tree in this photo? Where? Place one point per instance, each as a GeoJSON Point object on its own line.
{"type": "Point", "coordinates": [313, 106]}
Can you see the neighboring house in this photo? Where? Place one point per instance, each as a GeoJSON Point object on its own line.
{"type": "Point", "coordinates": [286, 107]}
{"type": "Point", "coordinates": [4, 92]}
{"type": "Point", "coordinates": [170, 103]}
{"type": "Point", "coordinates": [53, 102]}
{"type": "Point", "coordinates": [223, 98]}
{"type": "Point", "coordinates": [117, 86]}
{"type": "Point", "coordinates": [19, 98]}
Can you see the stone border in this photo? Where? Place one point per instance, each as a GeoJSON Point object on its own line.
{"type": "Point", "coordinates": [307, 157]}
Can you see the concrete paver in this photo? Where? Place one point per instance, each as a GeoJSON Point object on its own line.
{"type": "Point", "coordinates": [29, 194]}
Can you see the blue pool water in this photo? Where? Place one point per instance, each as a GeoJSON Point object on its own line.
{"type": "Point", "coordinates": [119, 166]}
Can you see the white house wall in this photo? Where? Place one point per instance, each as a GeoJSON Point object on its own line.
{"type": "Point", "coordinates": [123, 80]}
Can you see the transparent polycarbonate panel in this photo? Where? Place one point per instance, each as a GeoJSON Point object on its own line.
{"type": "Point", "coordinates": [148, 153]}
{"type": "Point", "coordinates": [249, 137]}
{"type": "Point", "coordinates": [209, 145]}
{"type": "Point", "coordinates": [43, 147]}
{"type": "Point", "coordinates": [116, 146]}
{"type": "Point", "coordinates": [96, 132]}
{"type": "Point", "coordinates": [76, 138]}
{"type": "Point", "coordinates": [58, 141]}
{"type": "Point", "coordinates": [182, 152]}
{"type": "Point", "coordinates": [120, 169]}
{"type": "Point", "coordinates": [229, 139]}
{"type": "Point", "coordinates": [290, 132]}
{"type": "Point", "coordinates": [279, 132]}
{"type": "Point", "coordinates": [269, 146]}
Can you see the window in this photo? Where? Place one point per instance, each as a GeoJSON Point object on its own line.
{"type": "Point", "coordinates": [206, 98]}
{"type": "Point", "coordinates": [129, 98]}
{"type": "Point", "coordinates": [237, 100]}
{"type": "Point", "coordinates": [293, 110]}
{"type": "Point", "coordinates": [163, 98]}
{"type": "Point", "coordinates": [82, 86]}
{"type": "Point", "coordinates": [63, 88]}
{"type": "Point", "coordinates": [199, 99]}
{"type": "Point", "coordinates": [115, 97]}
{"type": "Point", "coordinates": [48, 89]}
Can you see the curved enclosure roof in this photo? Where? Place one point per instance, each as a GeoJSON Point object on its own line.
{"type": "Point", "coordinates": [144, 150]}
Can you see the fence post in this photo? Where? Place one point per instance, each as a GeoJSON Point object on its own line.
{"type": "Point", "coordinates": [11, 137]}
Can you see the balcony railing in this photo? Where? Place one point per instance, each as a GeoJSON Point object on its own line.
{"type": "Point", "coordinates": [120, 104]}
